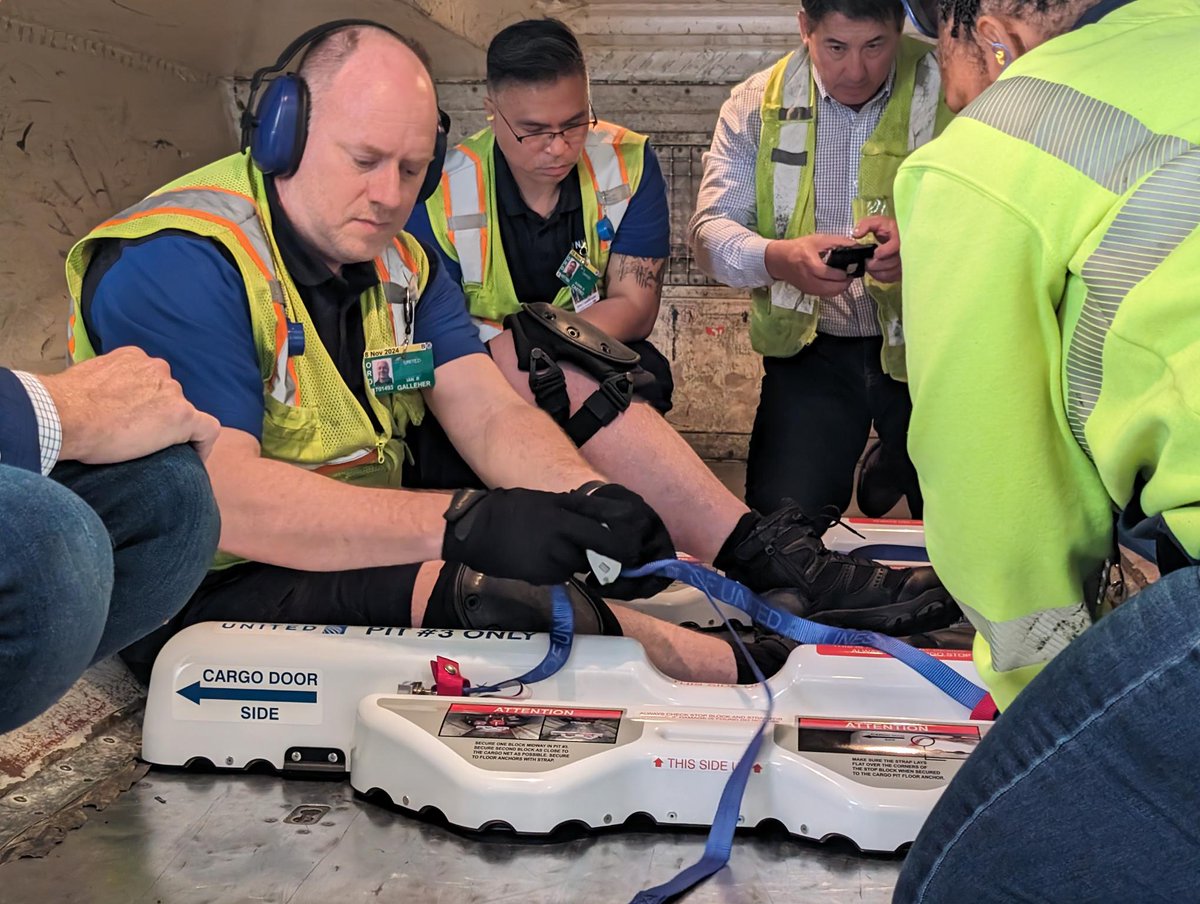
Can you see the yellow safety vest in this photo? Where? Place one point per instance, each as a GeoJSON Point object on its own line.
{"type": "Point", "coordinates": [1085, 189]}
{"type": "Point", "coordinates": [311, 418]}
{"type": "Point", "coordinates": [783, 320]}
{"type": "Point", "coordinates": [463, 212]}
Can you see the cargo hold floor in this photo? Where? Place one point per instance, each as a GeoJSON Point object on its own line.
{"type": "Point", "coordinates": [195, 838]}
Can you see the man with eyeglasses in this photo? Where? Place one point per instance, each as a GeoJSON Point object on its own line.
{"type": "Point", "coordinates": [549, 204]}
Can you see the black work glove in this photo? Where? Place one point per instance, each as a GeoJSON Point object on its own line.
{"type": "Point", "coordinates": [652, 542]}
{"type": "Point", "coordinates": [540, 537]}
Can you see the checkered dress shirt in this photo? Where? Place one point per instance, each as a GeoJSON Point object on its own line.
{"type": "Point", "coordinates": [723, 230]}
{"type": "Point", "coordinates": [49, 425]}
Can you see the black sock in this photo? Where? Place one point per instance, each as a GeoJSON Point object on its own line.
{"type": "Point", "coordinates": [740, 532]}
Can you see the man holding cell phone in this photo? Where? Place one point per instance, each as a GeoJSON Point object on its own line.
{"type": "Point", "coordinates": [796, 205]}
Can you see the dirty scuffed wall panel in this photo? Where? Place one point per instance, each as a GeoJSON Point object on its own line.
{"type": "Point", "coordinates": [85, 130]}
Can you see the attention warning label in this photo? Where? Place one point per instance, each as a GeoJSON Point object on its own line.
{"type": "Point", "coordinates": [519, 737]}
{"type": "Point", "coordinates": [886, 753]}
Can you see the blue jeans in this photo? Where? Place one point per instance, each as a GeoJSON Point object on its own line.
{"type": "Point", "coordinates": [91, 559]}
{"type": "Point", "coordinates": [1087, 787]}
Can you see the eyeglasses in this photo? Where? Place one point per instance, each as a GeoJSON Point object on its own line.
{"type": "Point", "coordinates": [924, 16]}
{"type": "Point", "coordinates": [571, 134]}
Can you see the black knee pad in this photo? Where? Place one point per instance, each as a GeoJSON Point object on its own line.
{"type": "Point", "coordinates": [463, 598]}
{"type": "Point", "coordinates": [544, 336]}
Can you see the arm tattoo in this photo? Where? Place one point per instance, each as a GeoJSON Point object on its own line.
{"type": "Point", "coordinates": [648, 272]}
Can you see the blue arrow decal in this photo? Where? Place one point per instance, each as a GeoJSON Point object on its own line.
{"type": "Point", "coordinates": [196, 693]}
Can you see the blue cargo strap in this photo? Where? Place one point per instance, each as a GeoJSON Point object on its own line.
{"type": "Point", "coordinates": [802, 630]}
{"type": "Point", "coordinates": [719, 843]}
{"type": "Point", "coordinates": [562, 633]}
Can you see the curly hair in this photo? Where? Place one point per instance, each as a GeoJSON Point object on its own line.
{"type": "Point", "coordinates": [963, 13]}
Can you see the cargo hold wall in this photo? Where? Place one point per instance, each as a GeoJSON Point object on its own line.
{"type": "Point", "coordinates": [86, 128]}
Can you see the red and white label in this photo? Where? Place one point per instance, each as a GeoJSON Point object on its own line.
{"type": "Point", "coordinates": [489, 709]}
{"type": "Point", "coordinates": [905, 522]}
{"type": "Point", "coordinates": [925, 728]}
{"type": "Point", "coordinates": [824, 649]}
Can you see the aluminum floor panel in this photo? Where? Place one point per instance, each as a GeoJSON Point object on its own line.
{"type": "Point", "coordinates": [189, 838]}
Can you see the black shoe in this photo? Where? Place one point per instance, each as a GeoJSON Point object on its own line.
{"type": "Point", "coordinates": [878, 488]}
{"type": "Point", "coordinates": [783, 551]}
{"type": "Point", "coordinates": [883, 481]}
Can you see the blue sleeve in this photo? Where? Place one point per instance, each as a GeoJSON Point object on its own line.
{"type": "Point", "coordinates": [177, 298]}
{"type": "Point", "coordinates": [20, 446]}
{"type": "Point", "coordinates": [421, 229]}
{"type": "Point", "coordinates": [442, 317]}
{"type": "Point", "coordinates": [645, 230]}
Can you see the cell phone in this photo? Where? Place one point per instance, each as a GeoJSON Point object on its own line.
{"type": "Point", "coordinates": [853, 259]}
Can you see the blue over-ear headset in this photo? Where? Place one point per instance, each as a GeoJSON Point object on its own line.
{"type": "Point", "coordinates": [276, 129]}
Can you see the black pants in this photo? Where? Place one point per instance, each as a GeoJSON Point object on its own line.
{"type": "Point", "coordinates": [813, 420]}
{"type": "Point", "coordinates": [254, 592]}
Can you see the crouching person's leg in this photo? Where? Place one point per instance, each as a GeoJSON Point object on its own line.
{"type": "Point", "coordinates": [56, 575]}
{"type": "Point", "coordinates": [163, 526]}
{"type": "Point", "coordinates": [1085, 788]}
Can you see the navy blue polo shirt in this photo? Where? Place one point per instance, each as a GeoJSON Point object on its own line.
{"type": "Point", "coordinates": [534, 246]}
{"type": "Point", "coordinates": [180, 297]}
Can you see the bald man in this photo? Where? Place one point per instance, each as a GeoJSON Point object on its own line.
{"type": "Point", "coordinates": [273, 287]}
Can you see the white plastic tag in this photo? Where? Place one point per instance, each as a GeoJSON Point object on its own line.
{"type": "Point", "coordinates": [605, 569]}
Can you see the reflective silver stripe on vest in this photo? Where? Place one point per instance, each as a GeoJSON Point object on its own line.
{"type": "Point", "coordinates": [1104, 143]}
{"type": "Point", "coordinates": [238, 210]}
{"type": "Point", "coordinates": [788, 170]}
{"type": "Point", "coordinates": [612, 192]}
{"type": "Point", "coordinates": [467, 213]}
{"type": "Point", "coordinates": [1030, 639]}
{"type": "Point", "coordinates": [788, 161]}
{"type": "Point", "coordinates": [242, 213]}
{"type": "Point", "coordinates": [1115, 150]}
{"type": "Point", "coordinates": [400, 290]}
{"type": "Point", "coordinates": [927, 88]}
{"type": "Point", "coordinates": [356, 455]}
{"type": "Point", "coordinates": [465, 222]}
{"type": "Point", "coordinates": [1157, 217]}
{"type": "Point", "coordinates": [467, 217]}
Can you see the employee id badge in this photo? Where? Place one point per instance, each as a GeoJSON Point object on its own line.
{"type": "Point", "coordinates": [580, 277]}
{"type": "Point", "coordinates": [399, 369]}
